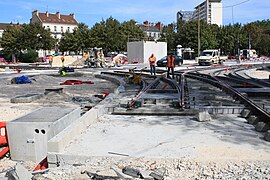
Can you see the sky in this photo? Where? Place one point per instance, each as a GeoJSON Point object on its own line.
{"type": "Point", "coordinates": [93, 11]}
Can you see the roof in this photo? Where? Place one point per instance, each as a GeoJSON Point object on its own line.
{"type": "Point", "coordinates": [149, 28]}
{"type": "Point", "coordinates": [3, 26]}
{"type": "Point", "coordinates": [53, 18]}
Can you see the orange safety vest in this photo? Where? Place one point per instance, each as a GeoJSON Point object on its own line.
{"type": "Point", "coordinates": [118, 60]}
{"type": "Point", "coordinates": [50, 58]}
{"type": "Point", "coordinates": [170, 62]}
{"type": "Point", "coordinates": [63, 58]}
{"type": "Point", "coordinates": [152, 60]}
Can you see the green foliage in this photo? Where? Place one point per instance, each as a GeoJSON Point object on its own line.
{"type": "Point", "coordinates": [229, 39]}
{"type": "Point", "coordinates": [110, 34]}
{"type": "Point", "coordinates": [28, 57]}
{"type": "Point", "coordinates": [27, 36]}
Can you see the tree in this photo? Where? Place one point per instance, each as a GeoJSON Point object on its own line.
{"type": "Point", "coordinates": [27, 36]}
{"type": "Point", "coordinates": [169, 35]}
{"type": "Point", "coordinates": [113, 36]}
{"type": "Point", "coordinates": [79, 40]}
{"type": "Point", "coordinates": [9, 40]}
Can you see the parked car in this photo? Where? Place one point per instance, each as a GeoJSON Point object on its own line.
{"type": "Point", "coordinates": [163, 61]}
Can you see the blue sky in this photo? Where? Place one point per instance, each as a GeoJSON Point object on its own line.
{"type": "Point", "coordinates": [92, 11]}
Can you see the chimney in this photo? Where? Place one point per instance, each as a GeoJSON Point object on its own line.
{"type": "Point", "coordinates": [35, 12]}
{"type": "Point", "coordinates": [159, 26]}
{"type": "Point", "coordinates": [170, 26]}
{"type": "Point", "coordinates": [73, 15]}
{"type": "Point", "coordinates": [47, 13]}
{"type": "Point", "coordinates": [145, 23]}
{"type": "Point", "coordinates": [58, 15]}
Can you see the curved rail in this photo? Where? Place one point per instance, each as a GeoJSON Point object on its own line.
{"type": "Point", "coordinates": [257, 110]}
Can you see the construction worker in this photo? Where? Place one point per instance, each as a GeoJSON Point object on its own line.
{"type": "Point", "coordinates": [117, 61]}
{"type": "Point", "coordinates": [152, 61]}
{"type": "Point", "coordinates": [63, 60]}
{"type": "Point", "coordinates": [170, 65]}
{"type": "Point", "coordinates": [50, 60]}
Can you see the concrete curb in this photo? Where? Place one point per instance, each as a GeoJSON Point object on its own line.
{"type": "Point", "coordinates": [120, 82]}
{"type": "Point", "coordinates": [61, 140]}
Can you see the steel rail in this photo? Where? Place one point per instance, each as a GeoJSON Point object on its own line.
{"type": "Point", "coordinates": [144, 89]}
{"type": "Point", "coordinates": [257, 110]}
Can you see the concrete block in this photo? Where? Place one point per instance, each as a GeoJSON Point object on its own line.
{"type": "Point", "coordinates": [267, 136]}
{"type": "Point", "coordinates": [61, 140]}
{"type": "Point", "coordinates": [262, 127]}
{"type": "Point", "coordinates": [245, 113]}
{"type": "Point", "coordinates": [27, 98]}
{"type": "Point", "coordinates": [29, 134]}
{"type": "Point", "coordinates": [253, 120]}
{"type": "Point", "coordinates": [22, 172]}
{"type": "Point", "coordinates": [158, 174]}
{"type": "Point", "coordinates": [203, 116]}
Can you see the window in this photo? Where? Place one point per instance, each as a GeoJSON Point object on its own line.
{"type": "Point", "coordinates": [55, 28]}
{"type": "Point", "coordinates": [68, 29]}
{"type": "Point", "coordinates": [62, 29]}
{"type": "Point", "coordinates": [48, 27]}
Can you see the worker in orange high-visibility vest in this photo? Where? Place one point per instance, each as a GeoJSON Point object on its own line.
{"type": "Point", "coordinates": [117, 61]}
{"type": "Point", "coordinates": [152, 61]}
{"type": "Point", "coordinates": [51, 60]}
{"type": "Point", "coordinates": [63, 60]}
{"type": "Point", "coordinates": [170, 65]}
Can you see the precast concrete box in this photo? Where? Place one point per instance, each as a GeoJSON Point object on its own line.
{"type": "Point", "coordinates": [28, 135]}
{"type": "Point", "coordinates": [140, 51]}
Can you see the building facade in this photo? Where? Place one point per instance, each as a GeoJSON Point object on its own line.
{"type": "Point", "coordinates": [56, 23]}
{"type": "Point", "coordinates": [184, 15]}
{"type": "Point", "coordinates": [209, 11]}
{"type": "Point", "coordinates": [152, 30]}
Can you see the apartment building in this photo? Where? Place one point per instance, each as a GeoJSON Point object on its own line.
{"type": "Point", "coordinates": [210, 11]}
{"type": "Point", "coordinates": [56, 23]}
{"type": "Point", "coordinates": [184, 15]}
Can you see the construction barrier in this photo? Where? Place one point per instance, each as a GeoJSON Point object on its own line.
{"type": "Point", "coordinates": [42, 165]}
{"type": "Point", "coordinates": [75, 82]}
{"type": "Point", "coordinates": [3, 139]}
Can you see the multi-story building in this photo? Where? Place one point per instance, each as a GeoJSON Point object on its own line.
{"type": "Point", "coordinates": [184, 15]}
{"type": "Point", "coordinates": [210, 11]}
{"type": "Point", "coordinates": [152, 30]}
{"type": "Point", "coordinates": [56, 23]}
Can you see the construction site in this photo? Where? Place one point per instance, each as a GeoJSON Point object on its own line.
{"type": "Point", "coordinates": [210, 122]}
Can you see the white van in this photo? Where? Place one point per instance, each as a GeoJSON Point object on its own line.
{"type": "Point", "coordinates": [208, 57]}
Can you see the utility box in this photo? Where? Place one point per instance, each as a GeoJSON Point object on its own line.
{"type": "Point", "coordinates": [140, 51]}
{"type": "Point", "coordinates": [28, 135]}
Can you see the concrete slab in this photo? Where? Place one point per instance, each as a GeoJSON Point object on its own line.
{"type": "Point", "coordinates": [27, 98]}
{"type": "Point", "coordinates": [178, 137]}
{"type": "Point", "coordinates": [28, 135]}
